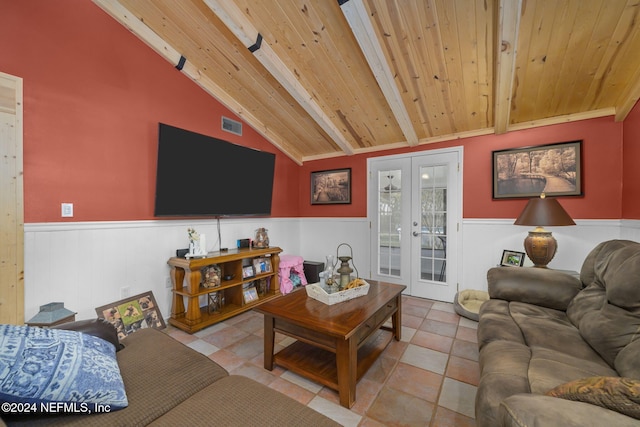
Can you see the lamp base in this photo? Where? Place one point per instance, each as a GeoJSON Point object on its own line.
{"type": "Point", "coordinates": [541, 247]}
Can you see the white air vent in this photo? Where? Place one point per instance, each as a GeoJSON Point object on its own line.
{"type": "Point", "coordinates": [231, 126]}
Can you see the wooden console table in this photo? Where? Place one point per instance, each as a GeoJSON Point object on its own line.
{"type": "Point", "coordinates": [187, 285]}
{"type": "Point", "coordinates": [336, 344]}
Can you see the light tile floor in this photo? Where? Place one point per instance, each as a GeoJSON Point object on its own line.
{"type": "Point", "coordinates": [427, 379]}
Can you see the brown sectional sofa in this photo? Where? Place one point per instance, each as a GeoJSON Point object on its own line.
{"type": "Point", "coordinates": [556, 350]}
{"type": "Point", "coordinates": [170, 384]}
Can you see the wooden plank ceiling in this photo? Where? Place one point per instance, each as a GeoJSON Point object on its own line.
{"type": "Point", "coordinates": [325, 78]}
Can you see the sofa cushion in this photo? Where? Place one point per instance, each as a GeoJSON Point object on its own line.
{"type": "Point", "coordinates": [607, 311]}
{"type": "Point", "coordinates": [615, 393]}
{"type": "Point", "coordinates": [622, 278]}
{"type": "Point", "coordinates": [590, 299]}
{"type": "Point", "coordinates": [534, 326]}
{"type": "Point", "coordinates": [539, 410]}
{"type": "Point", "coordinates": [497, 324]}
{"type": "Point", "coordinates": [550, 368]}
{"type": "Point", "coordinates": [239, 401]}
{"type": "Point", "coordinates": [601, 270]}
{"type": "Point", "coordinates": [549, 328]}
{"type": "Point", "coordinates": [609, 330]}
{"type": "Point", "coordinates": [539, 286]}
{"type": "Point", "coordinates": [504, 367]}
{"type": "Point", "coordinates": [50, 366]}
{"type": "Point", "coordinates": [596, 260]}
{"type": "Point", "coordinates": [626, 362]}
{"type": "Point", "coordinates": [159, 373]}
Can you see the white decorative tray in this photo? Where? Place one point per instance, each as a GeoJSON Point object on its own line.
{"type": "Point", "coordinates": [316, 292]}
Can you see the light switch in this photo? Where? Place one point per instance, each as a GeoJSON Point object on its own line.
{"type": "Point", "coordinates": [67, 210]}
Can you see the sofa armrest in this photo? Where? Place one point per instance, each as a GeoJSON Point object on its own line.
{"type": "Point", "coordinates": [537, 410]}
{"type": "Point", "coordinates": [539, 286]}
{"type": "Point", "coordinates": [100, 328]}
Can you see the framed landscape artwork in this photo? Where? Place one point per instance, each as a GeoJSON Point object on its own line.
{"type": "Point", "coordinates": [131, 314]}
{"type": "Point", "coordinates": [553, 169]}
{"type": "Point", "coordinates": [331, 187]}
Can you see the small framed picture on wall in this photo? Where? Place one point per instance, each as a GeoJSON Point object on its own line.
{"type": "Point", "coordinates": [331, 187]}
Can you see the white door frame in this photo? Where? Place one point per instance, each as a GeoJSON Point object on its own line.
{"type": "Point", "coordinates": [456, 251]}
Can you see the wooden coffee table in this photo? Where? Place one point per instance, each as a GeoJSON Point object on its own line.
{"type": "Point", "coordinates": [336, 344]}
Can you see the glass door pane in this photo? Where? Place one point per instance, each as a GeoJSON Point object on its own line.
{"type": "Point", "coordinates": [389, 222]}
{"type": "Point", "coordinates": [433, 224]}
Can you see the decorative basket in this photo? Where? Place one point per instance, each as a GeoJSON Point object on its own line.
{"type": "Point", "coordinates": [316, 292]}
{"type": "Point", "coordinates": [211, 276]}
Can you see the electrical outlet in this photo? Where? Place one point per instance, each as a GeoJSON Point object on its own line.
{"type": "Point", "coordinates": [125, 292]}
{"type": "Point", "coordinates": [66, 210]}
{"type": "Point", "coordinates": [168, 283]}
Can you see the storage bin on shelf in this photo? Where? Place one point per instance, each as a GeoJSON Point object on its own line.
{"type": "Point", "coordinates": [291, 270]}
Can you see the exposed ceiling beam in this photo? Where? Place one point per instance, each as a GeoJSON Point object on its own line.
{"type": "Point", "coordinates": [249, 36]}
{"type": "Point", "coordinates": [360, 23]}
{"type": "Point", "coordinates": [507, 39]}
{"type": "Point", "coordinates": [154, 41]}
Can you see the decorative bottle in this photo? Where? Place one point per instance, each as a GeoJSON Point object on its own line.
{"type": "Point", "coordinates": [262, 238]}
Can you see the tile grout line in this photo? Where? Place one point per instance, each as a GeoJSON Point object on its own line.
{"type": "Point", "coordinates": [444, 376]}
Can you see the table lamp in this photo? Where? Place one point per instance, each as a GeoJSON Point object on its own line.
{"type": "Point", "coordinates": [542, 211]}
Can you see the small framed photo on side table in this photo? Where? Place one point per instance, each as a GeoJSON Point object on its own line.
{"type": "Point", "coordinates": [512, 259]}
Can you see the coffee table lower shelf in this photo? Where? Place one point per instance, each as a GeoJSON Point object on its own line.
{"type": "Point", "coordinates": [320, 365]}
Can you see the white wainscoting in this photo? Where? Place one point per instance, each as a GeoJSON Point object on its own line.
{"type": "Point", "coordinates": [320, 237]}
{"type": "Point", "coordinates": [85, 264]}
{"type": "Point", "coordinates": [485, 239]}
{"type": "Point", "coordinates": [630, 230]}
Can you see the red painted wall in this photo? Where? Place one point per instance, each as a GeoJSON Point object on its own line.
{"type": "Point", "coordinates": [631, 177]}
{"type": "Point", "coordinates": [602, 172]}
{"type": "Point", "coordinates": [93, 97]}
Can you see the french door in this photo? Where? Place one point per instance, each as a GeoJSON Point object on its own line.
{"type": "Point", "coordinates": [415, 208]}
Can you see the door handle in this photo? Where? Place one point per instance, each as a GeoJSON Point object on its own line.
{"type": "Point", "coordinates": [416, 234]}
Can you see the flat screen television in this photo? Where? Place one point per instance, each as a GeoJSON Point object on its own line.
{"type": "Point", "coordinates": [199, 175]}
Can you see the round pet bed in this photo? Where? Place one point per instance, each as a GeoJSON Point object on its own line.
{"type": "Point", "coordinates": [467, 303]}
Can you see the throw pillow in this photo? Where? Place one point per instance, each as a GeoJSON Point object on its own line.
{"type": "Point", "coordinates": [615, 393]}
{"type": "Point", "coordinates": [54, 370]}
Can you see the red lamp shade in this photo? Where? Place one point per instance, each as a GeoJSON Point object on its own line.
{"type": "Point", "coordinates": [540, 245]}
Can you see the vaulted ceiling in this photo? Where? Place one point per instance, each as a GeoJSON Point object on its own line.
{"type": "Point", "coordinates": [324, 78]}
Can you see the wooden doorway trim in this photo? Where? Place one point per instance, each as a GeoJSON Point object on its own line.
{"type": "Point", "coordinates": [11, 201]}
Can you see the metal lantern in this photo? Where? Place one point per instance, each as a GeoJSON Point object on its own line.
{"type": "Point", "coordinates": [345, 270]}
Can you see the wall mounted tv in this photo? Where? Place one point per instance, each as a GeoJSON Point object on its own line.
{"type": "Point", "coordinates": [199, 175]}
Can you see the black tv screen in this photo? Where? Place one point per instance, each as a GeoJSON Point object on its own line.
{"type": "Point", "coordinates": [199, 175]}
